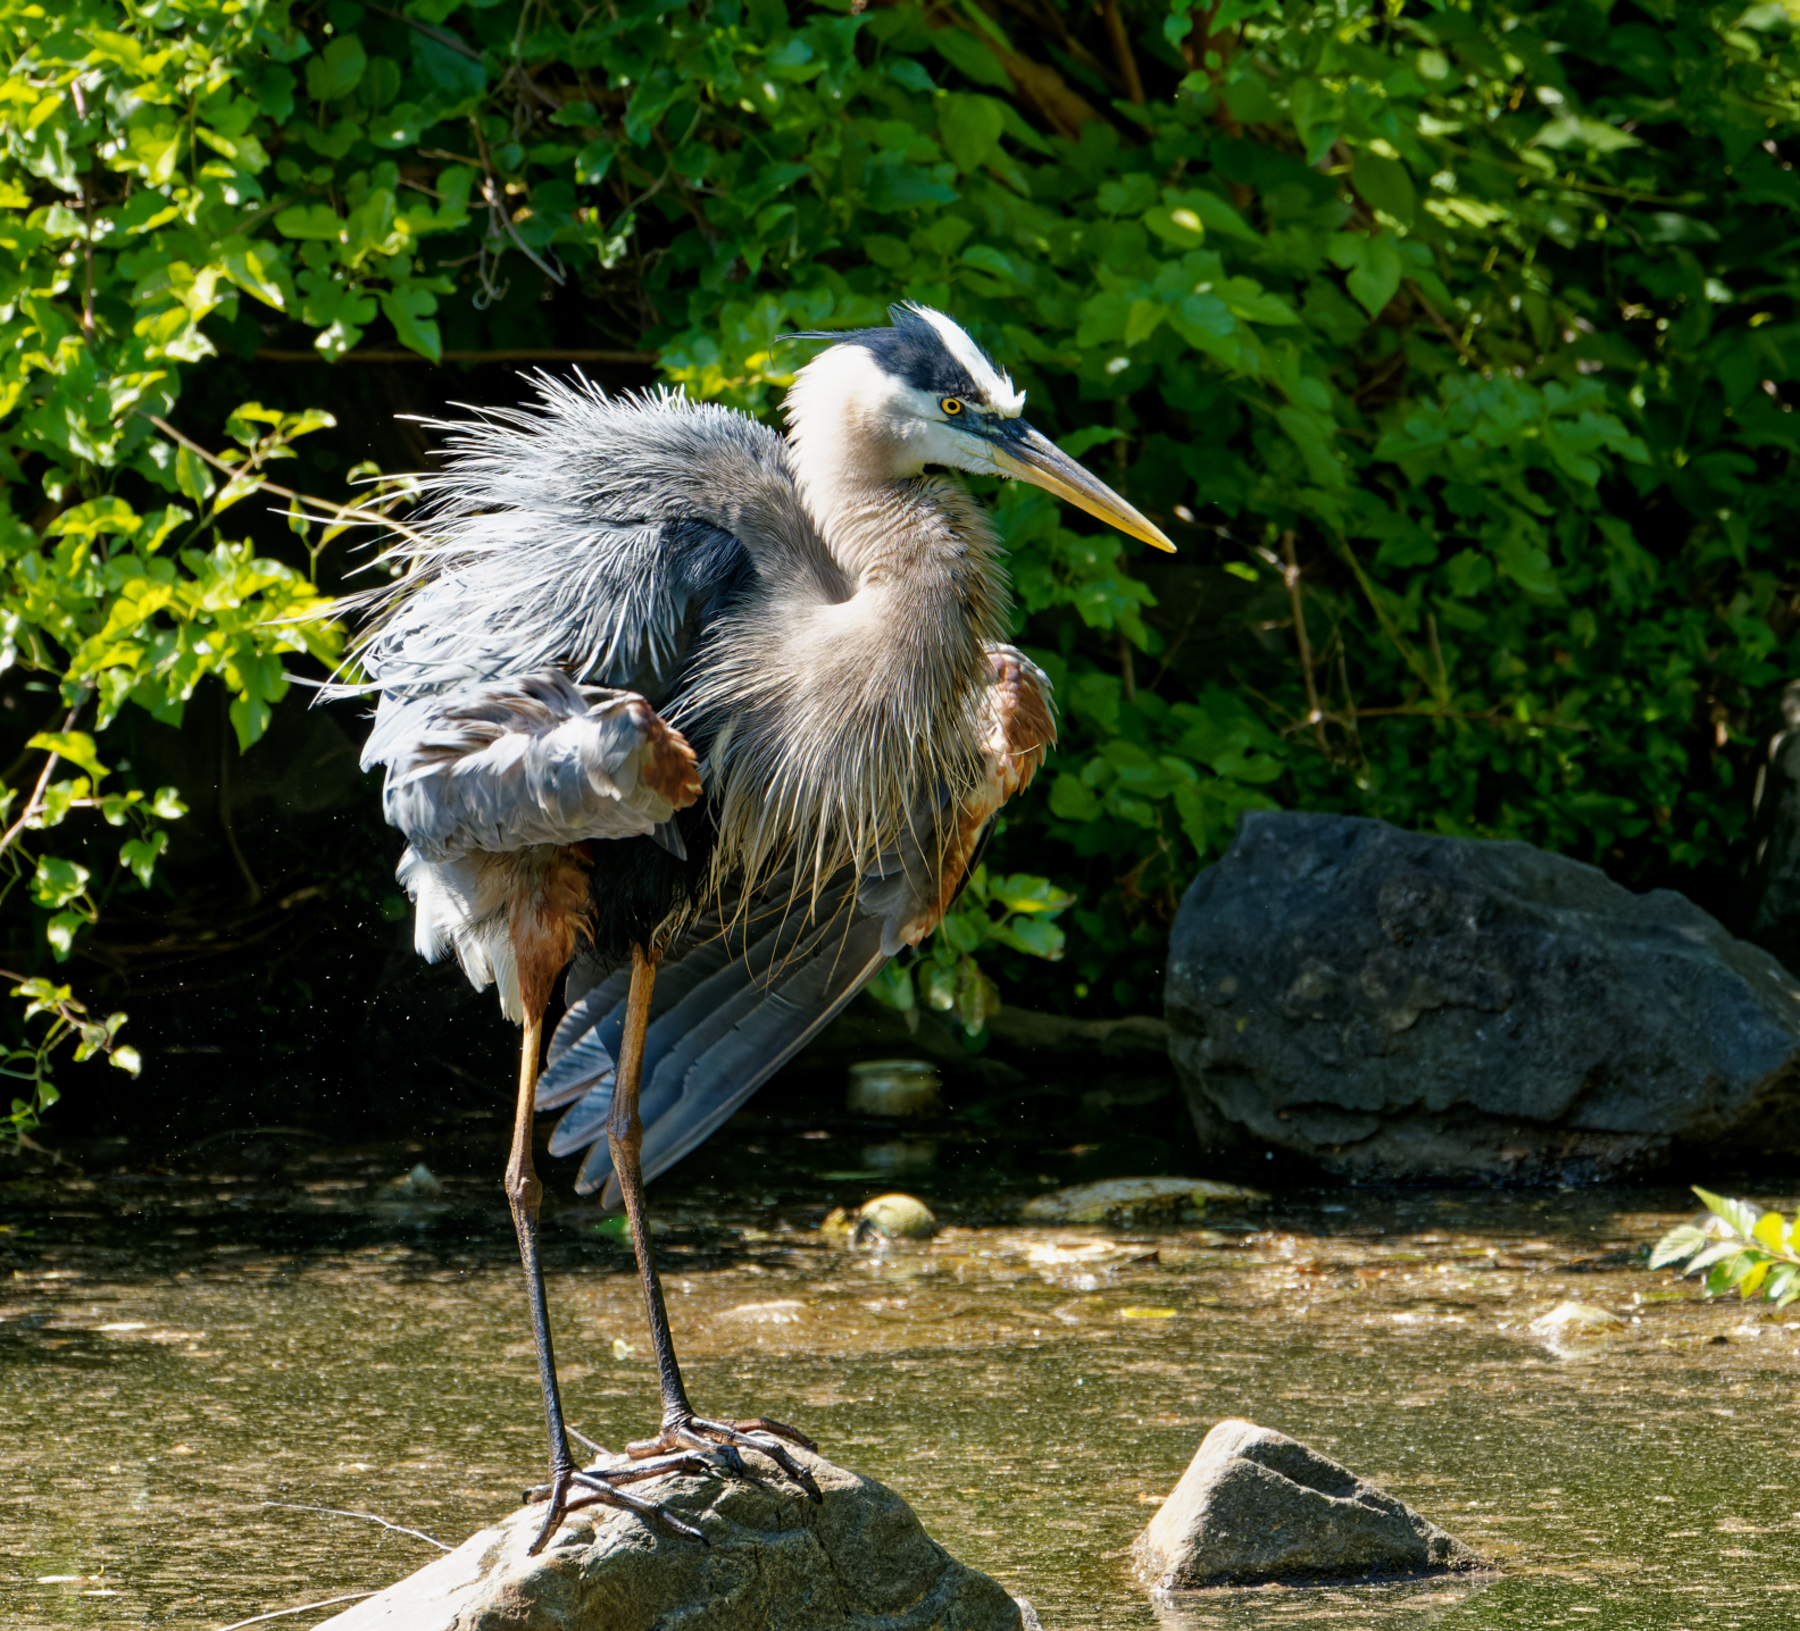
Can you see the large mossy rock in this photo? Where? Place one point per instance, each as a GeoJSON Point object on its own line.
{"type": "Point", "coordinates": [775, 1561]}
{"type": "Point", "coordinates": [1255, 1505]}
{"type": "Point", "coordinates": [1397, 1006]}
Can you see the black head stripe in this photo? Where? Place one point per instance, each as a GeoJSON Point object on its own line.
{"type": "Point", "coordinates": [913, 351]}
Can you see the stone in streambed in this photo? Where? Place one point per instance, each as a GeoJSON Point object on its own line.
{"type": "Point", "coordinates": [1572, 1325]}
{"type": "Point", "coordinates": [856, 1561]}
{"type": "Point", "coordinates": [1256, 1505]}
{"type": "Point", "coordinates": [1130, 1200]}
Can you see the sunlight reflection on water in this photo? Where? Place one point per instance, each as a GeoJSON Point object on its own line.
{"type": "Point", "coordinates": [168, 1367]}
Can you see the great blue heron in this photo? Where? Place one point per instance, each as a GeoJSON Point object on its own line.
{"type": "Point", "coordinates": [659, 688]}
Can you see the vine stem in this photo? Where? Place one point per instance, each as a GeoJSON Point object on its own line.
{"type": "Point", "coordinates": [1291, 577]}
{"type": "Point", "coordinates": [337, 512]}
{"type": "Point", "coordinates": [35, 802]}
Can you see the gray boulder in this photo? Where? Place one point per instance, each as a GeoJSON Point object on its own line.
{"type": "Point", "coordinates": [1396, 1006]}
{"type": "Point", "coordinates": [1256, 1505]}
{"type": "Point", "coordinates": [856, 1561]}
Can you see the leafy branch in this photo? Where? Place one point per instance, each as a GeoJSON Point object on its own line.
{"type": "Point", "coordinates": [1740, 1247]}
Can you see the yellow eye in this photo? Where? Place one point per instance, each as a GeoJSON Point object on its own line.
{"type": "Point", "coordinates": [951, 406]}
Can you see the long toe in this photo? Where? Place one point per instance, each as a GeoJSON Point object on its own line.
{"type": "Point", "coordinates": [604, 1487]}
{"type": "Point", "coordinates": [556, 1492]}
{"type": "Point", "coordinates": [763, 1436]}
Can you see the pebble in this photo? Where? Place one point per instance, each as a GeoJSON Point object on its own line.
{"type": "Point", "coordinates": [887, 1217]}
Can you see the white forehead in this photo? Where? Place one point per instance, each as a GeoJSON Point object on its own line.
{"type": "Point", "coordinates": [993, 383]}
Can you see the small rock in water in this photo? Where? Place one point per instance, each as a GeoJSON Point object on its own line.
{"type": "Point", "coordinates": [1118, 1199]}
{"type": "Point", "coordinates": [1256, 1505]}
{"type": "Point", "coordinates": [893, 1087]}
{"type": "Point", "coordinates": [887, 1217]}
{"type": "Point", "coordinates": [1570, 1324]}
{"type": "Point", "coordinates": [420, 1181]}
{"type": "Point", "coordinates": [784, 1312]}
{"type": "Point", "coordinates": [857, 1561]}
{"type": "Point", "coordinates": [902, 1155]}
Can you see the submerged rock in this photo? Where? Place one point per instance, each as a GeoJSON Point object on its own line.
{"type": "Point", "coordinates": [856, 1561]}
{"type": "Point", "coordinates": [1118, 1200]}
{"type": "Point", "coordinates": [1256, 1505]}
{"type": "Point", "coordinates": [894, 1087]}
{"type": "Point", "coordinates": [1392, 1005]}
{"type": "Point", "coordinates": [1573, 1325]}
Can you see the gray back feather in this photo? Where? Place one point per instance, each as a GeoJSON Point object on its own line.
{"type": "Point", "coordinates": [577, 533]}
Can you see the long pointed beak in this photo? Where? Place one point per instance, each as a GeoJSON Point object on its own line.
{"type": "Point", "coordinates": [1024, 453]}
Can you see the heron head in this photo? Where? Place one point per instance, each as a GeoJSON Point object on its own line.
{"type": "Point", "coordinates": [924, 393]}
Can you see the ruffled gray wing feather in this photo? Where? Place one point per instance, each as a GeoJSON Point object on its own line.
{"type": "Point", "coordinates": [732, 1006]}
{"type": "Point", "coordinates": [497, 767]}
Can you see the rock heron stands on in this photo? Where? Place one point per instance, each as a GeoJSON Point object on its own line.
{"type": "Point", "coordinates": [659, 690]}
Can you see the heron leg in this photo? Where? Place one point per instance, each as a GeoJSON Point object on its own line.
{"type": "Point", "coordinates": [525, 1194]}
{"type": "Point", "coordinates": [682, 1430]}
{"type": "Point", "coordinates": [594, 1485]}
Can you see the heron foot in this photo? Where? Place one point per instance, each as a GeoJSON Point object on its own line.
{"type": "Point", "coordinates": [571, 1488]}
{"type": "Point", "coordinates": [692, 1435]}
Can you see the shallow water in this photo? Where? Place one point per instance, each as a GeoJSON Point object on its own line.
{"type": "Point", "coordinates": [193, 1362]}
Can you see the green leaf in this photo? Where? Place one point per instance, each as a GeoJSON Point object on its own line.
{"type": "Point", "coordinates": [75, 746]}
{"type": "Point", "coordinates": [1385, 183]}
{"type": "Point", "coordinates": [60, 932]}
{"type": "Point", "coordinates": [970, 127]}
{"type": "Point", "coordinates": [1212, 212]}
{"type": "Point", "coordinates": [970, 57]}
{"type": "Point", "coordinates": [409, 310]}
{"type": "Point", "coordinates": [58, 881]}
{"type": "Point", "coordinates": [337, 70]}
{"type": "Point", "coordinates": [1679, 1244]}
{"type": "Point", "coordinates": [1374, 266]}
{"type": "Point", "coordinates": [1740, 1215]}
{"type": "Point", "coordinates": [1569, 130]}
{"type": "Point", "coordinates": [193, 476]}
{"type": "Point", "coordinates": [140, 855]}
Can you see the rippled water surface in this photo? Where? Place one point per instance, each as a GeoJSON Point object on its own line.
{"type": "Point", "coordinates": [193, 1362]}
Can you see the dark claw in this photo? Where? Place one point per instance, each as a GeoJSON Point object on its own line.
{"type": "Point", "coordinates": [762, 1424]}
{"type": "Point", "coordinates": [557, 1492]}
{"type": "Point", "coordinates": [760, 1435]}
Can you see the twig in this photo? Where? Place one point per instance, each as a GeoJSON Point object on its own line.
{"type": "Point", "coordinates": [1175, 644]}
{"type": "Point", "coordinates": [1350, 709]}
{"type": "Point", "coordinates": [1439, 324]}
{"type": "Point", "coordinates": [1121, 44]}
{"type": "Point", "coordinates": [1488, 716]}
{"type": "Point", "coordinates": [339, 1512]}
{"type": "Point", "coordinates": [43, 781]}
{"type": "Point", "coordinates": [1437, 656]}
{"type": "Point", "coordinates": [1127, 667]}
{"type": "Point", "coordinates": [253, 889]}
{"type": "Point", "coordinates": [1291, 577]}
{"type": "Point", "coordinates": [348, 1597]}
{"type": "Point", "coordinates": [339, 512]}
{"type": "Point", "coordinates": [87, 251]}
{"type": "Point", "coordinates": [390, 354]}
{"type": "Point", "coordinates": [441, 36]}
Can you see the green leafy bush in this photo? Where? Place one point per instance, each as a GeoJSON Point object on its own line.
{"type": "Point", "coordinates": [1740, 1247]}
{"type": "Point", "coordinates": [1454, 346]}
